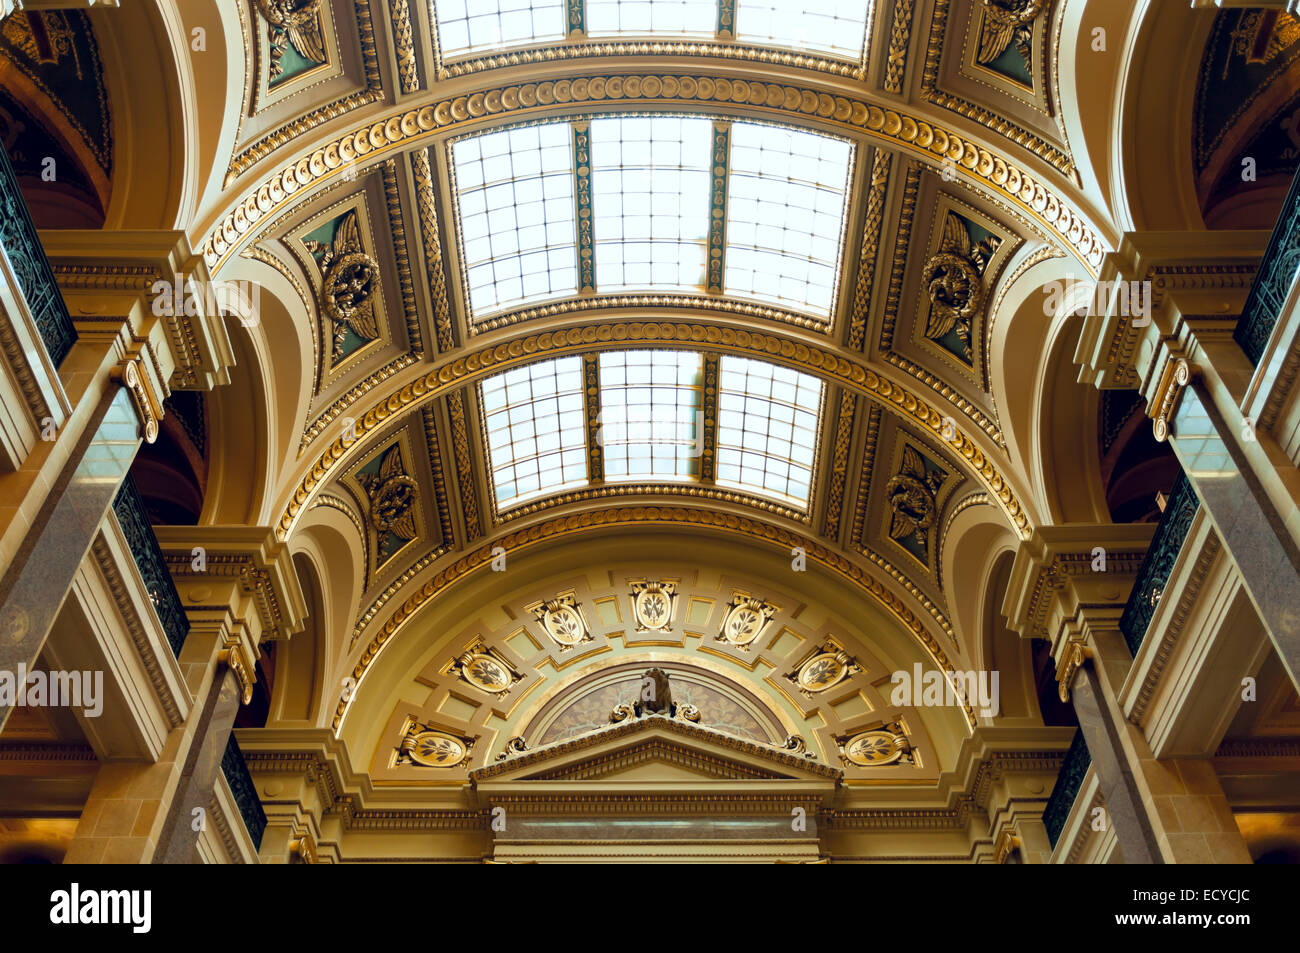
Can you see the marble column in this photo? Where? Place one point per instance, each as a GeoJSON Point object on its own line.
{"type": "Point", "coordinates": [1247, 522]}
{"type": "Point", "coordinates": [187, 816]}
{"type": "Point", "coordinates": [41, 572]}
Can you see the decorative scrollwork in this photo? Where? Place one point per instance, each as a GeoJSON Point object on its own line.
{"type": "Point", "coordinates": [561, 618]}
{"type": "Point", "coordinates": [745, 621]}
{"type": "Point", "coordinates": [392, 496]}
{"type": "Point", "coordinates": [293, 23]}
{"type": "Point", "coordinates": [872, 749]}
{"type": "Point", "coordinates": [347, 294]}
{"type": "Point", "coordinates": [911, 494]}
{"type": "Point", "coordinates": [1007, 22]}
{"type": "Point", "coordinates": [655, 697]}
{"type": "Point", "coordinates": [428, 747]}
{"type": "Point", "coordinates": [953, 278]}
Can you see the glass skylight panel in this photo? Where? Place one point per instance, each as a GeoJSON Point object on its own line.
{"type": "Point", "coordinates": [767, 428]}
{"type": "Point", "coordinates": [647, 17]}
{"type": "Point", "coordinates": [515, 195]}
{"type": "Point", "coordinates": [785, 215]}
{"type": "Point", "coordinates": [475, 26]}
{"type": "Point", "coordinates": [835, 27]}
{"type": "Point", "coordinates": [650, 199]}
{"type": "Point", "coordinates": [536, 429]}
{"type": "Point", "coordinates": [651, 414]}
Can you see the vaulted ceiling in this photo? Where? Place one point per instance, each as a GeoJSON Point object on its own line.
{"type": "Point", "coordinates": [718, 264]}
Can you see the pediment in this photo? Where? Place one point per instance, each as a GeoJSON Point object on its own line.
{"type": "Point", "coordinates": [656, 751]}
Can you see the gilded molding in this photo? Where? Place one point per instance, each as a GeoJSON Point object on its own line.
{"type": "Point", "coordinates": [1056, 157]}
{"type": "Point", "coordinates": [900, 33]}
{"type": "Point", "coordinates": [902, 240]}
{"type": "Point", "coordinates": [877, 192]}
{"type": "Point", "coordinates": [888, 125]}
{"type": "Point", "coordinates": [404, 45]}
{"type": "Point", "coordinates": [422, 169]}
{"type": "Point", "coordinates": [263, 147]}
{"type": "Point", "coordinates": [1072, 659]}
{"type": "Point", "coordinates": [643, 302]}
{"type": "Point", "coordinates": [557, 527]}
{"type": "Point", "coordinates": [840, 464]}
{"type": "Point", "coordinates": [467, 489]}
{"type": "Point", "coordinates": [702, 49]}
{"type": "Point", "coordinates": [821, 362]}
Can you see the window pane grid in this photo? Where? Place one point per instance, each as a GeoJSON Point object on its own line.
{"type": "Point", "coordinates": [651, 414]}
{"type": "Point", "coordinates": [650, 196]}
{"type": "Point", "coordinates": [836, 27]}
{"type": "Point", "coordinates": [785, 215]}
{"type": "Point", "coordinates": [767, 428]}
{"type": "Point", "coordinates": [680, 17]}
{"type": "Point", "coordinates": [536, 429]}
{"type": "Point", "coordinates": [517, 220]}
{"type": "Point", "coordinates": [473, 26]}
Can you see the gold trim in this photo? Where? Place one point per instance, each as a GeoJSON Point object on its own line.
{"type": "Point", "coordinates": [528, 537]}
{"type": "Point", "coordinates": [885, 124]}
{"type": "Point", "coordinates": [824, 363]}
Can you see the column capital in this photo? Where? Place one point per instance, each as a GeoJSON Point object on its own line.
{"type": "Point", "coordinates": [240, 569]}
{"type": "Point", "coordinates": [1069, 578]}
{"type": "Point", "coordinates": [1174, 275]}
{"type": "Point", "coordinates": [152, 292]}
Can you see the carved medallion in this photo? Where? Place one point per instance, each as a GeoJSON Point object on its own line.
{"type": "Point", "coordinates": [653, 603]}
{"type": "Point", "coordinates": [293, 23]}
{"type": "Point", "coordinates": [953, 278]}
{"type": "Point", "coordinates": [825, 668]}
{"type": "Point", "coordinates": [872, 749]}
{"type": "Point", "coordinates": [484, 669]}
{"type": "Point", "coordinates": [431, 748]}
{"type": "Point", "coordinates": [562, 620]}
{"type": "Point", "coordinates": [485, 672]}
{"type": "Point", "coordinates": [349, 286]}
{"type": "Point", "coordinates": [745, 621]}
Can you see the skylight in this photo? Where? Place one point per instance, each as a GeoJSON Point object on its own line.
{"type": "Point", "coordinates": [682, 17]}
{"type": "Point", "coordinates": [767, 428]}
{"type": "Point", "coordinates": [473, 26]}
{"type": "Point", "coordinates": [650, 199]}
{"type": "Point", "coordinates": [836, 27]}
{"type": "Point", "coordinates": [517, 216]}
{"type": "Point", "coordinates": [650, 414]}
{"type": "Point", "coordinates": [536, 430]}
{"type": "Point", "coordinates": [785, 215]}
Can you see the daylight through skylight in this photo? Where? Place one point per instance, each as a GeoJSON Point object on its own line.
{"type": "Point", "coordinates": [536, 431]}
{"type": "Point", "coordinates": [650, 414]}
{"type": "Point", "coordinates": [473, 26]}
{"type": "Point", "coordinates": [517, 216]}
{"type": "Point", "coordinates": [650, 198]}
{"type": "Point", "coordinates": [647, 205]}
{"type": "Point", "coordinates": [785, 215]}
{"type": "Point", "coordinates": [837, 27]}
{"type": "Point", "coordinates": [683, 17]}
{"type": "Point", "coordinates": [767, 428]}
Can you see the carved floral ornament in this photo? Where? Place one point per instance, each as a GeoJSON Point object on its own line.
{"type": "Point", "coordinates": [347, 293]}
{"type": "Point", "coordinates": [417, 125]}
{"type": "Point", "coordinates": [824, 669]}
{"type": "Point", "coordinates": [1008, 22]}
